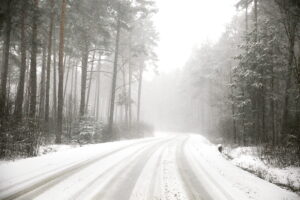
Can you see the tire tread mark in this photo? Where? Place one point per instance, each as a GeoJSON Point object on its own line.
{"type": "Point", "coordinates": [57, 177]}
{"type": "Point", "coordinates": [188, 176]}
{"type": "Point", "coordinates": [228, 196]}
{"type": "Point", "coordinates": [135, 167]}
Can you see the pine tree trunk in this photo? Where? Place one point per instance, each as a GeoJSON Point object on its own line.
{"type": "Point", "coordinates": [33, 76]}
{"type": "Point", "coordinates": [26, 87]}
{"type": "Point", "coordinates": [90, 83]}
{"type": "Point", "coordinates": [67, 77]}
{"type": "Point", "coordinates": [21, 84]}
{"type": "Point", "coordinates": [233, 111]}
{"type": "Point", "coordinates": [54, 81]}
{"type": "Point", "coordinates": [4, 71]}
{"type": "Point", "coordinates": [61, 74]}
{"type": "Point", "coordinates": [98, 88]}
{"type": "Point", "coordinates": [255, 19]}
{"type": "Point", "coordinates": [242, 88]}
{"type": "Point", "coordinates": [129, 95]}
{"type": "Point", "coordinates": [114, 80]}
{"type": "Point", "coordinates": [48, 82]}
{"type": "Point", "coordinates": [292, 36]}
{"type": "Point", "coordinates": [85, 56]}
{"type": "Point", "coordinates": [139, 95]}
{"type": "Point", "coordinates": [124, 95]}
{"type": "Point", "coordinates": [75, 91]}
{"type": "Point", "coordinates": [273, 107]}
{"type": "Point", "coordinates": [42, 85]}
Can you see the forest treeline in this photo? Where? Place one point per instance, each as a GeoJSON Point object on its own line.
{"type": "Point", "coordinates": [245, 87]}
{"type": "Point", "coordinates": [71, 67]}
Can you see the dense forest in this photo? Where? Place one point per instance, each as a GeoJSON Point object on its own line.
{"type": "Point", "coordinates": [150, 99]}
{"type": "Point", "coordinates": [255, 68]}
{"type": "Point", "coordinates": [243, 88]}
{"type": "Point", "coordinates": [71, 70]}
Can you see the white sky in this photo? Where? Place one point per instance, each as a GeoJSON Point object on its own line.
{"type": "Point", "coordinates": [183, 24]}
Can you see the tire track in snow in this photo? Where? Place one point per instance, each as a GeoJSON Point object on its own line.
{"type": "Point", "coordinates": [172, 186]}
{"type": "Point", "coordinates": [52, 180]}
{"type": "Point", "coordinates": [193, 186]}
{"type": "Point", "coordinates": [46, 188]}
{"type": "Point", "coordinates": [113, 172]}
{"type": "Point", "coordinates": [148, 183]}
{"type": "Point", "coordinates": [117, 189]}
{"type": "Point", "coordinates": [198, 181]}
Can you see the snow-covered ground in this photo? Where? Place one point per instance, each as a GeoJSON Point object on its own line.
{"type": "Point", "coordinates": [45, 149]}
{"type": "Point", "coordinates": [248, 158]}
{"type": "Point", "coordinates": [169, 167]}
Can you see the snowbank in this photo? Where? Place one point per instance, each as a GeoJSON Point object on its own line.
{"type": "Point", "coordinates": [248, 159]}
{"type": "Point", "coordinates": [55, 148]}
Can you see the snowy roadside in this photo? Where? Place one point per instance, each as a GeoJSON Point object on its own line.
{"type": "Point", "coordinates": [45, 149]}
{"type": "Point", "coordinates": [248, 159]}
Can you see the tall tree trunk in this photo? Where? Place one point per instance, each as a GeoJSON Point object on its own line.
{"type": "Point", "coordinates": [255, 19]}
{"type": "Point", "coordinates": [61, 74]}
{"type": "Point", "coordinates": [67, 78]}
{"type": "Point", "coordinates": [114, 80]}
{"type": "Point", "coordinates": [124, 96]}
{"type": "Point", "coordinates": [85, 56]}
{"type": "Point", "coordinates": [26, 96]}
{"type": "Point", "coordinates": [20, 92]}
{"type": "Point", "coordinates": [292, 36]}
{"type": "Point", "coordinates": [90, 83]}
{"type": "Point", "coordinates": [33, 83]}
{"type": "Point", "coordinates": [54, 81]}
{"type": "Point", "coordinates": [75, 91]}
{"type": "Point", "coordinates": [139, 94]}
{"type": "Point", "coordinates": [243, 139]}
{"type": "Point", "coordinates": [297, 72]}
{"type": "Point", "coordinates": [47, 103]}
{"type": "Point", "coordinates": [4, 72]}
{"type": "Point", "coordinates": [71, 97]}
{"type": "Point", "coordinates": [263, 108]}
{"type": "Point", "coordinates": [129, 95]}
{"type": "Point", "coordinates": [232, 110]}
{"type": "Point", "coordinates": [98, 88]}
{"type": "Point", "coordinates": [42, 85]}
{"type": "Point", "coordinates": [273, 107]}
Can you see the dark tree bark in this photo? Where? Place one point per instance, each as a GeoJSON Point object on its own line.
{"type": "Point", "coordinates": [129, 88]}
{"type": "Point", "coordinates": [90, 83]}
{"type": "Point", "coordinates": [33, 83]}
{"type": "Point", "coordinates": [255, 19]}
{"type": "Point", "coordinates": [124, 96]}
{"type": "Point", "coordinates": [85, 56]}
{"type": "Point", "coordinates": [139, 94]}
{"type": "Point", "coordinates": [273, 108]}
{"type": "Point", "coordinates": [97, 99]}
{"type": "Point", "coordinates": [233, 110]}
{"type": "Point", "coordinates": [20, 92]}
{"type": "Point", "coordinates": [67, 78]}
{"type": "Point", "coordinates": [42, 85]}
{"type": "Point", "coordinates": [54, 81]}
{"type": "Point", "coordinates": [6, 49]}
{"type": "Point", "coordinates": [114, 80]}
{"type": "Point", "coordinates": [47, 103]}
{"type": "Point", "coordinates": [288, 81]}
{"type": "Point", "coordinates": [61, 74]}
{"type": "Point", "coordinates": [71, 96]}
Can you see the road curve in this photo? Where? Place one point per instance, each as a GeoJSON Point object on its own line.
{"type": "Point", "coordinates": [150, 169]}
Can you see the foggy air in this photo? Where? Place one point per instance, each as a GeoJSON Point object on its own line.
{"type": "Point", "coordinates": [150, 99]}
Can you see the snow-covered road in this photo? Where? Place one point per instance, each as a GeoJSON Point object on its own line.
{"type": "Point", "coordinates": [161, 168]}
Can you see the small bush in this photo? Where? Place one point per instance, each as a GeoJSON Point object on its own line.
{"type": "Point", "coordinates": [19, 139]}
{"type": "Point", "coordinates": [88, 130]}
